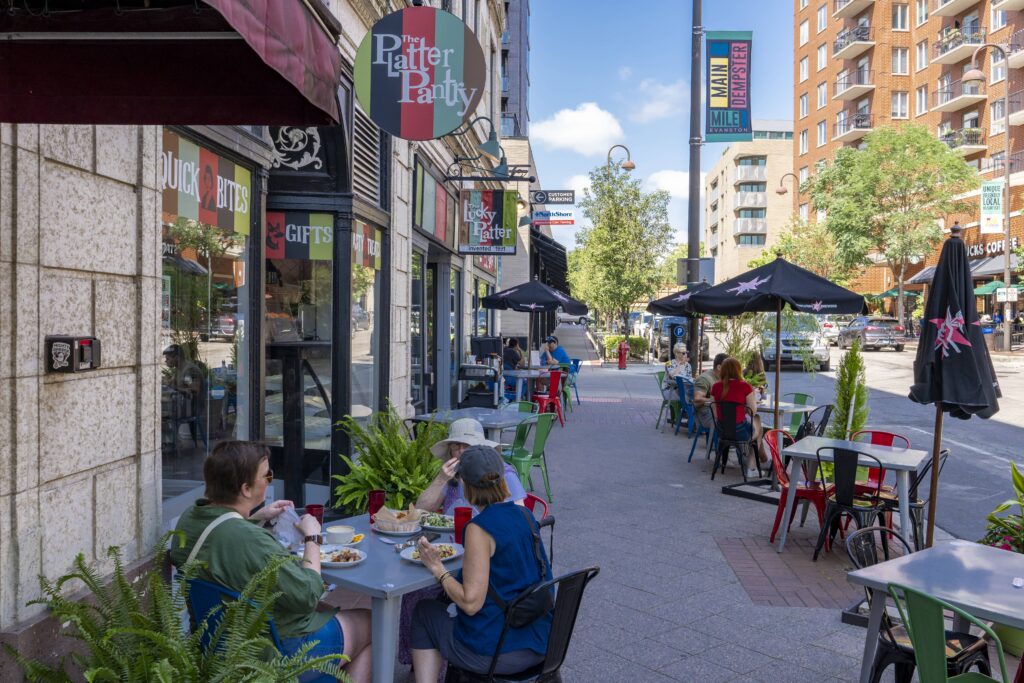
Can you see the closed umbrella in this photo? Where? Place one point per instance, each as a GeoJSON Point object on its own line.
{"type": "Point", "coordinates": [769, 288]}
{"type": "Point", "coordinates": [531, 297]}
{"type": "Point", "coordinates": [952, 369]}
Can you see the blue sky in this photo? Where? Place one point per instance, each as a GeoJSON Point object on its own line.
{"type": "Point", "coordinates": [605, 72]}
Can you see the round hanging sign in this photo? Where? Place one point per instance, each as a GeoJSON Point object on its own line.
{"type": "Point", "coordinates": [419, 73]}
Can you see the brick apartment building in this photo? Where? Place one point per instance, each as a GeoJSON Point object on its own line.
{"type": "Point", "coordinates": [863, 64]}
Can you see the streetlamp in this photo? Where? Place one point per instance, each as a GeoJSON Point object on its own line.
{"type": "Point", "coordinates": [781, 189]}
{"type": "Point", "coordinates": [975, 77]}
{"type": "Point", "coordinates": [626, 165]}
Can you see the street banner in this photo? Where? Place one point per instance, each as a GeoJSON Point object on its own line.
{"type": "Point", "coordinates": [727, 112]}
{"type": "Point", "coordinates": [488, 221]}
{"type": "Point", "coordinates": [419, 73]}
{"type": "Point", "coordinates": [200, 185]}
{"type": "Point", "coordinates": [300, 235]}
{"type": "Point", "coordinates": [554, 217]}
{"type": "Point", "coordinates": [992, 207]}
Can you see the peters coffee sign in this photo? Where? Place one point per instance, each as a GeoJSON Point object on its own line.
{"type": "Point", "coordinates": [419, 73]}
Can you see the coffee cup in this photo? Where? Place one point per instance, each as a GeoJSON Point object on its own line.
{"type": "Point", "coordinates": [340, 534]}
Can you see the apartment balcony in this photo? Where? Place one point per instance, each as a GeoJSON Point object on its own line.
{"type": "Point", "coordinates": [967, 141]}
{"type": "Point", "coordinates": [846, 9]}
{"type": "Point", "coordinates": [1017, 108]}
{"type": "Point", "coordinates": [954, 45]}
{"type": "Point", "coordinates": [713, 219]}
{"type": "Point", "coordinates": [750, 226]}
{"type": "Point", "coordinates": [854, 85]}
{"type": "Point", "coordinates": [852, 42]}
{"type": "Point", "coordinates": [1007, 4]}
{"type": "Point", "coordinates": [751, 174]}
{"type": "Point", "coordinates": [1016, 58]}
{"type": "Point", "coordinates": [750, 200]}
{"type": "Point", "coordinates": [853, 127]}
{"type": "Point", "coordinates": [951, 8]}
{"type": "Point", "coordinates": [996, 164]}
{"type": "Point", "coordinates": [958, 96]}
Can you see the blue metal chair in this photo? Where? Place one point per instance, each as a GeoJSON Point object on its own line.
{"type": "Point", "coordinates": [574, 368]}
{"type": "Point", "coordinates": [708, 433]}
{"type": "Point", "coordinates": [685, 389]}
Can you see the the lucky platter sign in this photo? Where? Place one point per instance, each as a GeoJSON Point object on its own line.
{"type": "Point", "coordinates": [488, 221]}
{"type": "Point", "coordinates": [419, 73]}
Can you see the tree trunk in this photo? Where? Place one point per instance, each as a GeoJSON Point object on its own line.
{"type": "Point", "coordinates": [900, 314]}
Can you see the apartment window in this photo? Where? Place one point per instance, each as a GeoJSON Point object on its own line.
{"type": "Point", "coordinates": [921, 100]}
{"type": "Point", "coordinates": [822, 133]}
{"type": "Point", "coordinates": [819, 215]}
{"type": "Point", "coordinates": [822, 18]}
{"type": "Point", "coordinates": [900, 17]}
{"type": "Point", "coordinates": [805, 173]}
{"type": "Point", "coordinates": [822, 95]}
{"type": "Point", "coordinates": [803, 4]}
{"type": "Point", "coordinates": [752, 161]}
{"type": "Point", "coordinates": [803, 142]}
{"type": "Point", "coordinates": [753, 187]}
{"type": "Point", "coordinates": [803, 105]}
{"type": "Point", "coordinates": [752, 240]}
{"type": "Point", "coordinates": [996, 127]}
{"type": "Point", "coordinates": [921, 58]}
{"type": "Point", "coordinates": [998, 66]}
{"type": "Point", "coordinates": [804, 211]}
{"type": "Point", "coordinates": [998, 19]}
{"type": "Point", "coordinates": [899, 105]}
{"type": "Point", "coordinates": [753, 213]}
{"type": "Point", "coordinates": [822, 56]}
{"type": "Point", "coordinates": [804, 32]}
{"type": "Point", "coordinates": [803, 69]}
{"type": "Point", "coordinates": [921, 11]}
{"type": "Point", "coordinates": [900, 61]}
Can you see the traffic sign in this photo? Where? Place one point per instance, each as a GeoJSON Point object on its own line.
{"type": "Point", "coordinates": [553, 196]}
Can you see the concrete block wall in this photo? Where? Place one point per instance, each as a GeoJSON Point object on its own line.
{"type": "Point", "coordinates": [79, 255]}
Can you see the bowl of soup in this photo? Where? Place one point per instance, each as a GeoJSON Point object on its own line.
{"type": "Point", "coordinates": [340, 534]}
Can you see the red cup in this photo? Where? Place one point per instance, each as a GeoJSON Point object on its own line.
{"type": "Point", "coordinates": [462, 517]}
{"type": "Point", "coordinates": [316, 511]}
{"type": "Point", "coordinates": [375, 502]}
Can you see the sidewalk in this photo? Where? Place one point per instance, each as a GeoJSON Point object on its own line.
{"type": "Point", "coordinates": [689, 589]}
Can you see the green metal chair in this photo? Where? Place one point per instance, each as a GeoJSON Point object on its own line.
{"type": "Point", "coordinates": [923, 617]}
{"type": "Point", "coordinates": [568, 380]}
{"type": "Point", "coordinates": [524, 458]}
{"type": "Point", "coordinates": [672, 405]}
{"type": "Point", "coordinates": [796, 419]}
{"type": "Point", "coordinates": [522, 429]}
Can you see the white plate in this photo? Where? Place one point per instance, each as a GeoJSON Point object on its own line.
{"type": "Point", "coordinates": [398, 533]}
{"type": "Point", "coordinates": [331, 548]}
{"type": "Point", "coordinates": [353, 543]}
{"type": "Point", "coordinates": [407, 553]}
{"type": "Point", "coordinates": [442, 529]}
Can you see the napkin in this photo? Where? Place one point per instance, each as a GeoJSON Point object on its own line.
{"type": "Point", "coordinates": [285, 531]}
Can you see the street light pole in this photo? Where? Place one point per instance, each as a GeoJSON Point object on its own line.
{"type": "Point", "coordinates": [693, 216]}
{"type": "Point", "coordinates": [976, 76]}
{"type": "Point", "coordinates": [781, 189]}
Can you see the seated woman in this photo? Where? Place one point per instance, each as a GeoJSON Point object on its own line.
{"type": "Point", "coordinates": [512, 357]}
{"type": "Point", "coordinates": [500, 552]}
{"type": "Point", "coordinates": [237, 474]}
{"type": "Point", "coordinates": [679, 367]}
{"type": "Point", "coordinates": [446, 492]}
{"type": "Point", "coordinates": [731, 387]}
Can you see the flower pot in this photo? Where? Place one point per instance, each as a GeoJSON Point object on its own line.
{"type": "Point", "coordinates": [1012, 639]}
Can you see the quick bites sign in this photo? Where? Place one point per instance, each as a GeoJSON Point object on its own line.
{"type": "Point", "coordinates": [419, 73]}
{"type": "Point", "coordinates": [727, 113]}
{"type": "Point", "coordinates": [200, 185]}
{"type": "Point", "coordinates": [487, 221]}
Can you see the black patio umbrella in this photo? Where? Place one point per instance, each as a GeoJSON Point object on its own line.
{"type": "Point", "coordinates": [531, 297]}
{"type": "Point", "coordinates": [952, 369]}
{"type": "Point", "coordinates": [767, 289]}
{"type": "Point", "coordinates": [676, 304]}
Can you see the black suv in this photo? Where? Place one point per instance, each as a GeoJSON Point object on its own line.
{"type": "Point", "coordinates": [874, 331]}
{"type": "Point", "coordinates": [667, 332]}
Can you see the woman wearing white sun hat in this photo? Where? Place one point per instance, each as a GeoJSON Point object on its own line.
{"type": "Point", "coordinates": [446, 492]}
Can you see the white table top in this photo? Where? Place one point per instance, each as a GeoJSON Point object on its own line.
{"type": "Point", "coordinates": [976, 578]}
{"type": "Point", "coordinates": [785, 407]}
{"type": "Point", "coordinates": [534, 373]}
{"type": "Point", "coordinates": [891, 458]}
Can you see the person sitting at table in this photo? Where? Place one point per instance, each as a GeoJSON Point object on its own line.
{"type": "Point", "coordinates": [702, 391]}
{"type": "Point", "coordinates": [500, 553]}
{"type": "Point", "coordinates": [237, 474]}
{"type": "Point", "coordinates": [552, 353]}
{"type": "Point", "coordinates": [446, 492]}
{"type": "Point", "coordinates": [731, 387]}
{"type": "Point", "coordinates": [678, 367]}
{"type": "Point", "coordinates": [512, 356]}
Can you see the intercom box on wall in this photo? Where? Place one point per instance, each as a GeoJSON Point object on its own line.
{"type": "Point", "coordinates": [72, 354]}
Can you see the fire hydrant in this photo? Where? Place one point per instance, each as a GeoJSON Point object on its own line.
{"type": "Point", "coordinates": [623, 354]}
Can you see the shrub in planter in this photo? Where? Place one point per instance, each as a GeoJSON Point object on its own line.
{"type": "Point", "coordinates": [637, 346]}
{"type": "Point", "coordinates": [1007, 532]}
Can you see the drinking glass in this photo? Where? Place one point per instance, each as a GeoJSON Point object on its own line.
{"type": "Point", "coordinates": [376, 502]}
{"type": "Point", "coordinates": [317, 511]}
{"type": "Point", "coordinates": [462, 517]}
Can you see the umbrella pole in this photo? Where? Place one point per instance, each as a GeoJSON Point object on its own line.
{"type": "Point", "coordinates": [934, 486]}
{"type": "Point", "coordinates": [700, 345]}
{"type": "Point", "coordinates": [778, 359]}
{"type": "Point", "coordinates": [529, 343]}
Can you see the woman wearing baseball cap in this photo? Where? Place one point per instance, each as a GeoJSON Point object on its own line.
{"type": "Point", "coordinates": [500, 554]}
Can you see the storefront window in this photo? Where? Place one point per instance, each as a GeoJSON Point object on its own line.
{"type": "Point", "coordinates": [416, 329]}
{"type": "Point", "coordinates": [455, 330]}
{"type": "Point", "coordinates": [366, 257]}
{"type": "Point", "coordinates": [206, 219]}
{"type": "Point", "coordinates": [483, 318]}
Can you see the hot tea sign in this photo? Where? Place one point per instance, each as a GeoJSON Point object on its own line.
{"type": "Point", "coordinates": [487, 221]}
{"type": "Point", "coordinates": [419, 73]}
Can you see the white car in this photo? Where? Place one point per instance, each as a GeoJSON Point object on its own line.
{"type": "Point", "coordinates": [564, 317]}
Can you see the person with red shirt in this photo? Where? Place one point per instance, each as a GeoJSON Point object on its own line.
{"type": "Point", "coordinates": [731, 387]}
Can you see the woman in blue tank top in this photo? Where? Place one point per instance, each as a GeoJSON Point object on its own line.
{"type": "Point", "coordinates": [500, 552]}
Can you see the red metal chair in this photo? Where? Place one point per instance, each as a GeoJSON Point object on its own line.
{"type": "Point", "coordinates": [877, 438]}
{"type": "Point", "coordinates": [539, 507]}
{"type": "Point", "coordinates": [812, 491]}
{"type": "Point", "coordinates": [553, 398]}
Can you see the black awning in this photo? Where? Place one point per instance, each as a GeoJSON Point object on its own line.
{"type": "Point", "coordinates": [553, 260]}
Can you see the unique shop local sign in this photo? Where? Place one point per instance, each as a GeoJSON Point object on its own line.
{"type": "Point", "coordinates": [419, 73]}
{"type": "Point", "coordinates": [727, 109]}
{"type": "Point", "coordinates": [992, 207]}
{"type": "Point", "coordinates": [487, 221]}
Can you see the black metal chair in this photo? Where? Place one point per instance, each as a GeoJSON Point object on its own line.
{"type": "Point", "coordinates": [728, 438]}
{"type": "Point", "coordinates": [569, 594]}
{"type": "Point", "coordinates": [816, 422]}
{"type": "Point", "coordinates": [843, 500]}
{"type": "Point", "coordinates": [963, 651]}
{"type": "Point", "coordinates": [917, 505]}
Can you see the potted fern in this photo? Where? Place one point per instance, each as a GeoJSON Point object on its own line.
{"type": "Point", "coordinates": [1006, 531]}
{"type": "Point", "coordinates": [850, 413]}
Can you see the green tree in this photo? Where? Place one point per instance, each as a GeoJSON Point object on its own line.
{"type": "Point", "coordinates": [810, 246]}
{"type": "Point", "coordinates": [851, 395]}
{"type": "Point", "coordinates": [618, 260]}
{"type": "Point", "coordinates": [886, 198]}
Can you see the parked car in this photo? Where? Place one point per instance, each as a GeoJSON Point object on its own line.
{"type": "Point", "coordinates": [641, 323]}
{"type": "Point", "coordinates": [564, 317]}
{"type": "Point", "coordinates": [666, 333]}
{"type": "Point", "coordinates": [874, 332]}
{"type": "Point", "coordinates": [801, 334]}
{"type": "Point", "coordinates": [831, 324]}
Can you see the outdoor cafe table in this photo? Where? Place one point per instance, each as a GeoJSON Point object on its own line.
{"type": "Point", "coordinates": [385, 577]}
{"type": "Point", "coordinates": [976, 578]}
{"type": "Point", "coordinates": [493, 420]}
{"type": "Point", "coordinates": [520, 376]}
{"type": "Point", "coordinates": [903, 461]}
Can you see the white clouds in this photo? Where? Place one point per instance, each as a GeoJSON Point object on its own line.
{"type": "Point", "coordinates": [578, 183]}
{"type": "Point", "coordinates": [677, 183]}
{"type": "Point", "coordinates": [658, 100]}
{"type": "Point", "coordinates": [625, 72]}
{"type": "Point", "coordinates": [587, 130]}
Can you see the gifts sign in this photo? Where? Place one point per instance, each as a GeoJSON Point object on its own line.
{"type": "Point", "coordinates": [487, 221]}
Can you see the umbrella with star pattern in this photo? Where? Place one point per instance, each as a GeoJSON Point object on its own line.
{"type": "Point", "coordinates": [532, 297]}
{"type": "Point", "coordinates": [676, 304]}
